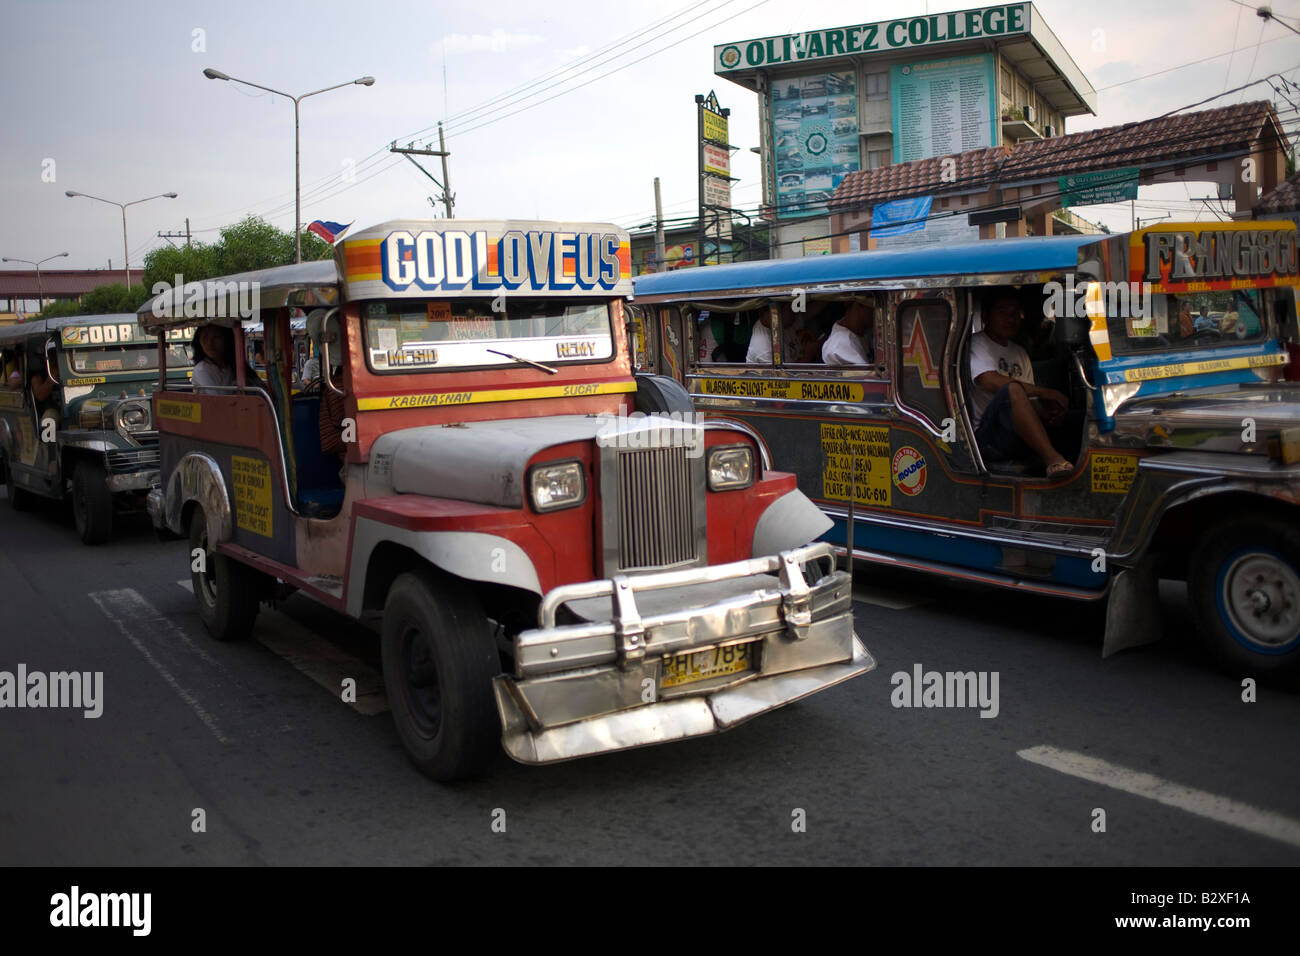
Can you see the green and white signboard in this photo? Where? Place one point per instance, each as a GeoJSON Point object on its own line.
{"type": "Point", "coordinates": [943, 106]}
{"type": "Point", "coordinates": [1089, 189]}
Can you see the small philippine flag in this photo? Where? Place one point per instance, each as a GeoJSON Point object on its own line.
{"type": "Point", "coordinates": [331, 232]}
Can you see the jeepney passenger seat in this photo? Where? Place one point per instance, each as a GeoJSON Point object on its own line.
{"type": "Point", "coordinates": [319, 492]}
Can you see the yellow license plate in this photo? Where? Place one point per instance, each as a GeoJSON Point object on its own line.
{"type": "Point", "coordinates": [713, 662]}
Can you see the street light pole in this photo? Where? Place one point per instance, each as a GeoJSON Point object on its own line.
{"type": "Point", "coordinates": [126, 254]}
{"type": "Point", "coordinates": [212, 74]}
{"type": "Point", "coordinates": [40, 286]}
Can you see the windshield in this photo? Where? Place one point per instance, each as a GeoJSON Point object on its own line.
{"type": "Point", "coordinates": [125, 358]}
{"type": "Point", "coordinates": [419, 335]}
{"type": "Point", "coordinates": [1197, 320]}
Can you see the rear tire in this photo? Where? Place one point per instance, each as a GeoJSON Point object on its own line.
{"type": "Point", "coordinates": [20, 499]}
{"type": "Point", "coordinates": [1245, 584]}
{"type": "Point", "coordinates": [92, 502]}
{"type": "Point", "coordinates": [228, 594]}
{"type": "Point", "coordinates": [439, 658]}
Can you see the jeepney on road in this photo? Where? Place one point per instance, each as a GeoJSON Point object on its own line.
{"type": "Point", "coordinates": [94, 429]}
{"type": "Point", "coordinates": [1170, 345]}
{"type": "Point", "coordinates": [558, 572]}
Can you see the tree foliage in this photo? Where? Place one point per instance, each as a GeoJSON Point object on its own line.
{"type": "Point", "coordinates": [252, 243]}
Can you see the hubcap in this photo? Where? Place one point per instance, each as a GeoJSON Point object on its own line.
{"type": "Point", "coordinates": [420, 676]}
{"type": "Point", "coordinates": [1261, 592]}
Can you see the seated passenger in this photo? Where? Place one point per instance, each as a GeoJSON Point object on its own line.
{"type": "Point", "coordinates": [1008, 425]}
{"type": "Point", "coordinates": [847, 345]}
{"type": "Point", "coordinates": [760, 340]}
{"type": "Point", "coordinates": [214, 366]}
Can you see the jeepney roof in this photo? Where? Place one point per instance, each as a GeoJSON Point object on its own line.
{"type": "Point", "coordinates": [305, 284]}
{"type": "Point", "coordinates": [11, 334]}
{"type": "Point", "coordinates": [987, 256]}
{"type": "Point", "coordinates": [430, 258]}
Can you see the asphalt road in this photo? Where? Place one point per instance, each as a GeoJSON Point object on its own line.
{"type": "Point", "coordinates": [255, 736]}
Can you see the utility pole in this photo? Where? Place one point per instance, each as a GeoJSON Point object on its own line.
{"type": "Point", "coordinates": [659, 231]}
{"type": "Point", "coordinates": [178, 235]}
{"type": "Point", "coordinates": [447, 198]}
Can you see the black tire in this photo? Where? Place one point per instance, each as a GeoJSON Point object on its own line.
{"type": "Point", "coordinates": [228, 594]}
{"type": "Point", "coordinates": [1244, 581]}
{"type": "Point", "coordinates": [20, 499]}
{"type": "Point", "coordinates": [439, 659]}
{"type": "Point", "coordinates": [92, 502]}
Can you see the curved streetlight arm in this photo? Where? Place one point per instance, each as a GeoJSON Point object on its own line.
{"type": "Point", "coordinates": [338, 86]}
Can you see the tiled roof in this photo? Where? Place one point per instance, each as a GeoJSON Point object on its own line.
{"type": "Point", "coordinates": [1165, 139]}
{"type": "Point", "coordinates": [1285, 198]}
{"type": "Point", "coordinates": [65, 283]}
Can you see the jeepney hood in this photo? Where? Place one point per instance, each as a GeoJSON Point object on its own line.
{"type": "Point", "coordinates": [1212, 419]}
{"type": "Point", "coordinates": [483, 462]}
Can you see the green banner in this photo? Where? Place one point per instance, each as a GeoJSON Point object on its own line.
{"type": "Point", "coordinates": [1111, 185]}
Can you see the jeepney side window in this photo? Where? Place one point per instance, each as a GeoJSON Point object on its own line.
{"type": "Point", "coordinates": [737, 331]}
{"type": "Point", "coordinates": [835, 331]}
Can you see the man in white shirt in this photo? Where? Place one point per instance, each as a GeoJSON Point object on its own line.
{"type": "Point", "coordinates": [760, 341]}
{"type": "Point", "coordinates": [1010, 410]}
{"type": "Point", "coordinates": [845, 345]}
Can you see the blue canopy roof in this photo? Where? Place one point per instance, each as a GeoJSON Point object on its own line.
{"type": "Point", "coordinates": [986, 256]}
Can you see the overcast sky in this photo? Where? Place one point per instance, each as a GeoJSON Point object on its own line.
{"type": "Point", "coordinates": [108, 98]}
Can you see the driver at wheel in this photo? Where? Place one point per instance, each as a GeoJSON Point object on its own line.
{"type": "Point", "coordinates": [1011, 412]}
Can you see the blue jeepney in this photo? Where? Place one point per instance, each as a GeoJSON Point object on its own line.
{"type": "Point", "coordinates": [1167, 348]}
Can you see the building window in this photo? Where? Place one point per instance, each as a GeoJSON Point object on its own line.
{"type": "Point", "coordinates": [877, 86]}
{"type": "Point", "coordinates": [1007, 86]}
{"type": "Point", "coordinates": [879, 157]}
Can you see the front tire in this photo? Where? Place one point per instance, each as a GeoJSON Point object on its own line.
{"type": "Point", "coordinates": [1245, 584]}
{"type": "Point", "coordinates": [92, 502]}
{"type": "Point", "coordinates": [439, 658]}
{"type": "Point", "coordinates": [228, 594]}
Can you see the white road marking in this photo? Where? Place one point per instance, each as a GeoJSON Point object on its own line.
{"type": "Point", "coordinates": [1200, 802]}
{"type": "Point", "coordinates": [320, 660]}
{"type": "Point", "coordinates": [129, 612]}
{"type": "Point", "coordinates": [881, 597]}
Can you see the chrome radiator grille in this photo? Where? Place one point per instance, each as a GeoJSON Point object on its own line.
{"type": "Point", "coordinates": [656, 520]}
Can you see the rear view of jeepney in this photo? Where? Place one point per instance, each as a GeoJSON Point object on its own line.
{"type": "Point", "coordinates": [1190, 342]}
{"type": "Point", "coordinates": [564, 561]}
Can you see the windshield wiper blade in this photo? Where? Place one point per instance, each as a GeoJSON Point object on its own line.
{"type": "Point", "coordinates": [545, 368]}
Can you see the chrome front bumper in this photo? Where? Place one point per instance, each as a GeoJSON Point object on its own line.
{"type": "Point", "coordinates": [594, 686]}
{"type": "Point", "coordinates": [153, 503]}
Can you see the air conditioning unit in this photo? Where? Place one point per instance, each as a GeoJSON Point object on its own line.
{"type": "Point", "coordinates": [1049, 131]}
{"type": "Point", "coordinates": [1029, 113]}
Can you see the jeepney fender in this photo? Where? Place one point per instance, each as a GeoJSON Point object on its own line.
{"type": "Point", "coordinates": [1143, 512]}
{"type": "Point", "coordinates": [788, 522]}
{"type": "Point", "coordinates": [197, 477]}
{"type": "Point", "coordinates": [6, 437]}
{"type": "Point", "coordinates": [465, 554]}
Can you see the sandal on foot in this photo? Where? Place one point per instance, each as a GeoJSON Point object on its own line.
{"type": "Point", "coordinates": [1060, 469]}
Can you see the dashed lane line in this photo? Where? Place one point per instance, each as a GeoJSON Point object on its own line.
{"type": "Point", "coordinates": [320, 660]}
{"type": "Point", "coordinates": [134, 616]}
{"type": "Point", "coordinates": [1200, 802]}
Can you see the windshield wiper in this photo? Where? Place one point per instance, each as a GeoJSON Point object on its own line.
{"type": "Point", "coordinates": [523, 361]}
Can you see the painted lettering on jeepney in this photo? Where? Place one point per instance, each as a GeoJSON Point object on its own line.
{"type": "Point", "coordinates": [574, 349]}
{"type": "Point", "coordinates": [251, 481]}
{"type": "Point", "coordinates": [782, 388]}
{"type": "Point", "coordinates": [537, 260]}
{"type": "Point", "coordinates": [431, 400]}
{"type": "Point", "coordinates": [1113, 474]}
{"type": "Point", "coordinates": [180, 411]}
{"type": "Point", "coordinates": [916, 353]}
{"type": "Point", "coordinates": [863, 449]}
